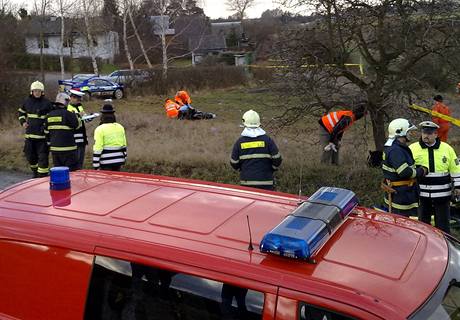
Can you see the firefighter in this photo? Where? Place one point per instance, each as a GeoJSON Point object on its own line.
{"type": "Point", "coordinates": [399, 170]}
{"type": "Point", "coordinates": [81, 139]}
{"type": "Point", "coordinates": [171, 108]}
{"type": "Point", "coordinates": [32, 116]}
{"type": "Point", "coordinates": [443, 174]}
{"type": "Point", "coordinates": [332, 127]}
{"type": "Point", "coordinates": [444, 125]}
{"type": "Point", "coordinates": [110, 148]}
{"type": "Point", "coordinates": [60, 127]}
{"type": "Point", "coordinates": [255, 154]}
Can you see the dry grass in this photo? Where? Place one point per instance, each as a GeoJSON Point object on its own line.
{"type": "Point", "coordinates": [201, 149]}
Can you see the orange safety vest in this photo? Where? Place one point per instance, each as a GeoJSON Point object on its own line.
{"type": "Point", "coordinates": [172, 108]}
{"type": "Point", "coordinates": [332, 118]}
{"type": "Point", "coordinates": [182, 98]}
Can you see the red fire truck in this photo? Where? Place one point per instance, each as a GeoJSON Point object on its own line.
{"type": "Point", "coordinates": [133, 246]}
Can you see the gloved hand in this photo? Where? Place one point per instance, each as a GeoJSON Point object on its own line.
{"type": "Point", "coordinates": [330, 147]}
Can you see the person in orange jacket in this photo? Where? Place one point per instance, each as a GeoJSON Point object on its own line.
{"type": "Point", "coordinates": [444, 125]}
{"type": "Point", "coordinates": [332, 127]}
{"type": "Point", "coordinates": [172, 109]}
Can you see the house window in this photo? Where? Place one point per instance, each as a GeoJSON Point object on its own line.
{"type": "Point", "coordinates": [43, 43]}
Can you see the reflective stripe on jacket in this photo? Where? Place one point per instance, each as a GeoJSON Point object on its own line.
{"type": "Point", "coordinates": [60, 127]}
{"type": "Point", "coordinates": [399, 165]}
{"type": "Point", "coordinates": [34, 111]}
{"type": "Point", "coordinates": [80, 134]}
{"type": "Point", "coordinates": [256, 158]}
{"type": "Point", "coordinates": [330, 120]}
{"type": "Point", "coordinates": [109, 145]}
{"type": "Point", "coordinates": [443, 169]}
{"type": "Point", "coordinates": [172, 109]}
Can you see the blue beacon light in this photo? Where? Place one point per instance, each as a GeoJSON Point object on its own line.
{"type": "Point", "coordinates": [309, 226]}
{"type": "Point", "coordinates": [59, 178]}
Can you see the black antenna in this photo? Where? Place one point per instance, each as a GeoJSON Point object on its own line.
{"type": "Point", "coordinates": [300, 185]}
{"type": "Point", "coordinates": [250, 247]}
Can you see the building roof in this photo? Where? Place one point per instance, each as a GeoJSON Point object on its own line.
{"type": "Point", "coordinates": [208, 42]}
{"type": "Point", "coordinates": [51, 25]}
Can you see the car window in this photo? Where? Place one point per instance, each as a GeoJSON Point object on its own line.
{"type": "Point", "coordinates": [114, 74]}
{"type": "Point", "coordinates": [125, 290]}
{"type": "Point", "coordinates": [100, 82]}
{"type": "Point", "coordinates": [310, 312]}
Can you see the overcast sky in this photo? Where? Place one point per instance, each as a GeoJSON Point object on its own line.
{"type": "Point", "coordinates": [212, 8]}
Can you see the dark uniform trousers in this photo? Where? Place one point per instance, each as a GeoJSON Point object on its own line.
{"type": "Point", "coordinates": [441, 208]}
{"type": "Point", "coordinates": [36, 152]}
{"type": "Point", "coordinates": [65, 159]}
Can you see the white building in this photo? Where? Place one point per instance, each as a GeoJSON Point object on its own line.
{"type": "Point", "coordinates": [105, 44]}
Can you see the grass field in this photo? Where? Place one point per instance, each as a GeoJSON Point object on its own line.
{"type": "Point", "coordinates": [201, 149]}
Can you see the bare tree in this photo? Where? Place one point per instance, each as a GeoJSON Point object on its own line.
{"type": "Point", "coordinates": [139, 40]}
{"type": "Point", "coordinates": [393, 39]}
{"type": "Point", "coordinates": [40, 8]}
{"type": "Point", "coordinates": [239, 7]}
{"type": "Point", "coordinates": [90, 37]}
{"type": "Point", "coordinates": [63, 7]}
{"type": "Point", "coordinates": [126, 8]}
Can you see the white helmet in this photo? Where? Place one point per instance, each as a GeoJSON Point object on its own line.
{"type": "Point", "coordinates": [37, 85]}
{"type": "Point", "coordinates": [251, 119]}
{"type": "Point", "coordinates": [399, 128]}
{"type": "Point", "coordinates": [62, 98]}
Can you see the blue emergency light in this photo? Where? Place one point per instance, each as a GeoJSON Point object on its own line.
{"type": "Point", "coordinates": [59, 178]}
{"type": "Point", "coordinates": [309, 226]}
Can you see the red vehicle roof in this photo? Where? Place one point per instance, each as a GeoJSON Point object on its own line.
{"type": "Point", "coordinates": [383, 263]}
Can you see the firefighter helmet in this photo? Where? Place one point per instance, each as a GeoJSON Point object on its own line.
{"type": "Point", "coordinates": [399, 128]}
{"type": "Point", "coordinates": [251, 119]}
{"type": "Point", "coordinates": [37, 85]}
{"type": "Point", "coordinates": [62, 98]}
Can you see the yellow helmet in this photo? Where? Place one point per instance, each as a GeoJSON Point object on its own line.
{"type": "Point", "coordinates": [251, 119]}
{"type": "Point", "coordinates": [37, 85]}
{"type": "Point", "coordinates": [399, 128]}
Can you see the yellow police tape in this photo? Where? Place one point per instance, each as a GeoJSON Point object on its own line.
{"type": "Point", "coordinates": [454, 121]}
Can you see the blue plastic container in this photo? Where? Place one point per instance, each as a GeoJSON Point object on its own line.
{"type": "Point", "coordinates": [59, 178]}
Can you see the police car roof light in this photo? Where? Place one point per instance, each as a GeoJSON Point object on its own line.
{"type": "Point", "coordinates": [308, 227]}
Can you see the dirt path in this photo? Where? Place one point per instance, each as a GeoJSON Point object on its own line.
{"type": "Point", "coordinates": [8, 178]}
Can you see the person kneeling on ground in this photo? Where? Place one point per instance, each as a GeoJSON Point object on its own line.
{"type": "Point", "coordinates": [186, 111]}
{"type": "Point", "coordinates": [109, 150]}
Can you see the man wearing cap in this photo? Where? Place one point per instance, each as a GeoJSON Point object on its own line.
{"type": "Point", "coordinates": [400, 171]}
{"type": "Point", "coordinates": [109, 150]}
{"type": "Point", "coordinates": [444, 125]}
{"type": "Point", "coordinates": [255, 154]}
{"type": "Point", "coordinates": [60, 127]}
{"type": "Point", "coordinates": [81, 139]}
{"type": "Point", "coordinates": [443, 174]}
{"type": "Point", "coordinates": [32, 116]}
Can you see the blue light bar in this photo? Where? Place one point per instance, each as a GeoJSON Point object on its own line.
{"type": "Point", "coordinates": [59, 178]}
{"type": "Point", "coordinates": [310, 225]}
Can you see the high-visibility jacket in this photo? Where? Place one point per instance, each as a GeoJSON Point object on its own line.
{"type": "Point", "coordinates": [80, 133]}
{"type": "Point", "coordinates": [399, 169]}
{"type": "Point", "coordinates": [34, 111]}
{"type": "Point", "coordinates": [182, 97]}
{"type": "Point", "coordinates": [331, 119]}
{"type": "Point", "coordinates": [443, 169]}
{"type": "Point", "coordinates": [172, 108]}
{"type": "Point", "coordinates": [256, 158]}
{"type": "Point", "coordinates": [60, 127]}
{"type": "Point", "coordinates": [109, 145]}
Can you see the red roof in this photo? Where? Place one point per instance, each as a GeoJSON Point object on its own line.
{"type": "Point", "coordinates": [386, 264]}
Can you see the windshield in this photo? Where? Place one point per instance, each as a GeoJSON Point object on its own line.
{"type": "Point", "coordinates": [444, 304]}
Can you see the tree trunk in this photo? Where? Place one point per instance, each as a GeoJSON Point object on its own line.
{"type": "Point", "coordinates": [90, 39]}
{"type": "Point", "coordinates": [125, 42]}
{"type": "Point", "coordinates": [378, 128]}
{"type": "Point", "coordinates": [139, 39]}
{"type": "Point", "coordinates": [165, 56]}
{"type": "Point", "coordinates": [61, 53]}
{"type": "Point", "coordinates": [42, 43]}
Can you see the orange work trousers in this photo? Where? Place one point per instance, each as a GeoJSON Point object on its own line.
{"type": "Point", "coordinates": [443, 132]}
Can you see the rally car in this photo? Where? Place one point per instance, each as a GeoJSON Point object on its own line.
{"type": "Point", "coordinates": [95, 87]}
{"type": "Point", "coordinates": [112, 245]}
